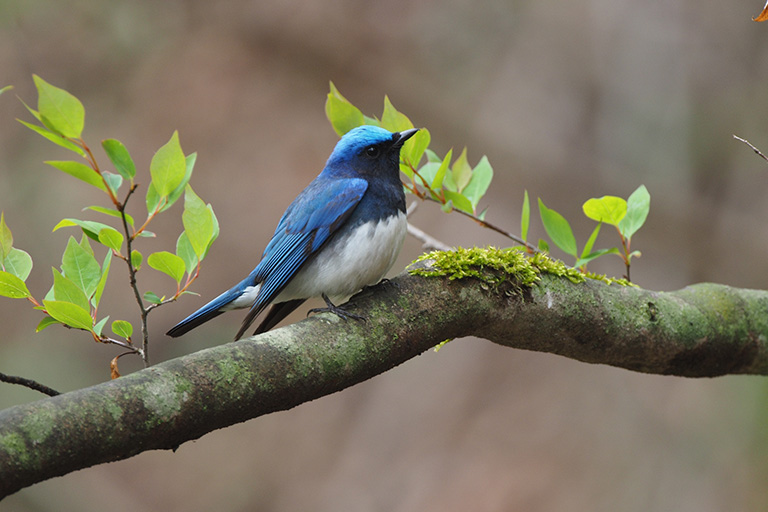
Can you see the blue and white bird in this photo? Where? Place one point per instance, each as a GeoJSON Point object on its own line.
{"type": "Point", "coordinates": [342, 233]}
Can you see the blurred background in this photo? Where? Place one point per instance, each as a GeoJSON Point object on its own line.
{"type": "Point", "coordinates": [569, 100]}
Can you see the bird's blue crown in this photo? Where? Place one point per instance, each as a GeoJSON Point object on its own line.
{"type": "Point", "coordinates": [359, 138]}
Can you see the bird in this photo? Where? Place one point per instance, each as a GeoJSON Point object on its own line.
{"type": "Point", "coordinates": [342, 233]}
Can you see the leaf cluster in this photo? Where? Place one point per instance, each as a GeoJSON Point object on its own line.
{"type": "Point", "coordinates": [78, 286]}
{"type": "Point", "coordinates": [15, 265]}
{"type": "Point", "coordinates": [627, 216]}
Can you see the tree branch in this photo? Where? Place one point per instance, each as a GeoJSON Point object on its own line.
{"type": "Point", "coordinates": [28, 383]}
{"type": "Point", "coordinates": [701, 331]}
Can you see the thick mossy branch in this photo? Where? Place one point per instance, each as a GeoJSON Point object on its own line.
{"type": "Point", "coordinates": [702, 330]}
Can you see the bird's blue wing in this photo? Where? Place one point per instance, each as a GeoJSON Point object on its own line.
{"type": "Point", "coordinates": [305, 226]}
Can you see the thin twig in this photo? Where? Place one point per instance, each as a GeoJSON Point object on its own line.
{"type": "Point", "coordinates": [492, 227]}
{"type": "Point", "coordinates": [745, 141]}
{"type": "Point", "coordinates": [29, 383]}
{"type": "Point", "coordinates": [132, 273]}
{"type": "Point", "coordinates": [95, 166]}
{"type": "Point", "coordinates": [427, 241]}
{"type": "Point", "coordinates": [625, 244]}
{"type": "Point", "coordinates": [125, 344]}
{"type": "Point", "coordinates": [151, 216]}
{"type": "Point", "coordinates": [411, 208]}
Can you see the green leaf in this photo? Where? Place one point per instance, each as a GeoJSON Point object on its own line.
{"type": "Point", "coordinates": [591, 242]}
{"type": "Point", "coordinates": [341, 113]}
{"type": "Point", "coordinates": [167, 263]}
{"type": "Point", "coordinates": [394, 120]}
{"type": "Point", "coordinates": [558, 230]}
{"type": "Point", "coordinates": [6, 88]}
{"type": "Point", "coordinates": [525, 218]}
{"type": "Point", "coordinates": [136, 259]}
{"type": "Point", "coordinates": [198, 222]}
{"type": "Point", "coordinates": [81, 267]}
{"type": "Point", "coordinates": [114, 181]}
{"type": "Point", "coordinates": [461, 172]}
{"type": "Point", "coordinates": [111, 212]}
{"type": "Point", "coordinates": [415, 147]}
{"type": "Point", "coordinates": [90, 228]}
{"type": "Point", "coordinates": [459, 201]}
{"type": "Point", "coordinates": [406, 169]}
{"type": "Point", "coordinates": [86, 245]}
{"type": "Point", "coordinates": [59, 110]}
{"type": "Point", "coordinates": [18, 263]}
{"type": "Point", "coordinates": [447, 206]}
{"type": "Point", "coordinates": [543, 246]}
{"type": "Point", "coordinates": [215, 234]}
{"type": "Point", "coordinates": [35, 114]}
{"type": "Point", "coordinates": [69, 314]}
{"type": "Point", "coordinates": [99, 327]}
{"type": "Point", "coordinates": [607, 209]}
{"type": "Point", "coordinates": [593, 255]}
{"type": "Point", "coordinates": [168, 166]}
{"type": "Point", "coordinates": [112, 238]}
{"type": "Point", "coordinates": [437, 182]}
{"type": "Point", "coordinates": [432, 156]}
{"type": "Point", "coordinates": [13, 287]}
{"type": "Point", "coordinates": [6, 238]}
{"type": "Point", "coordinates": [433, 173]}
{"type": "Point", "coordinates": [638, 206]}
{"type": "Point", "coordinates": [185, 252]}
{"type": "Point", "coordinates": [178, 191]}
{"type": "Point", "coordinates": [120, 158]}
{"type": "Point", "coordinates": [49, 295]}
{"type": "Point", "coordinates": [67, 291]}
{"type": "Point", "coordinates": [47, 321]}
{"type": "Point", "coordinates": [53, 137]}
{"type": "Point", "coordinates": [102, 280]}
{"type": "Point", "coordinates": [122, 328]}
{"type": "Point", "coordinates": [478, 185]}
{"type": "Point", "coordinates": [79, 171]}
{"type": "Point", "coordinates": [152, 298]}
{"type": "Point", "coordinates": [428, 173]}
{"type": "Point", "coordinates": [153, 197]}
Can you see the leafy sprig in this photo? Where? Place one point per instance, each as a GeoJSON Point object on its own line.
{"type": "Point", "coordinates": [627, 216]}
{"type": "Point", "coordinates": [78, 286]}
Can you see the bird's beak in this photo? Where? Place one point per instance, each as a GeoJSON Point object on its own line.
{"type": "Point", "coordinates": [405, 135]}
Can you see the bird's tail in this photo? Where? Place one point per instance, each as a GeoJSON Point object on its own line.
{"type": "Point", "coordinates": [211, 310]}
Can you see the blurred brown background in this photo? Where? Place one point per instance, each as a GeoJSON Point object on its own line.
{"type": "Point", "coordinates": [569, 100]}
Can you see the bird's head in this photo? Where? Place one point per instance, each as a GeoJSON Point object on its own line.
{"type": "Point", "coordinates": [369, 151]}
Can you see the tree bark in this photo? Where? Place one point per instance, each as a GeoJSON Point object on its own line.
{"type": "Point", "coordinates": [703, 330]}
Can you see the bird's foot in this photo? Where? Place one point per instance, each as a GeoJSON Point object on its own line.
{"type": "Point", "coordinates": [336, 310]}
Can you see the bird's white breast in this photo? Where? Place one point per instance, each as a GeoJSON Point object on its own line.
{"type": "Point", "coordinates": [350, 261]}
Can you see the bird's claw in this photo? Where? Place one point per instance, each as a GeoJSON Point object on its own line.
{"type": "Point", "coordinates": [336, 310]}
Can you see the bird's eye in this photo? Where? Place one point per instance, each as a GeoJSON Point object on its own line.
{"type": "Point", "coordinates": [372, 151]}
